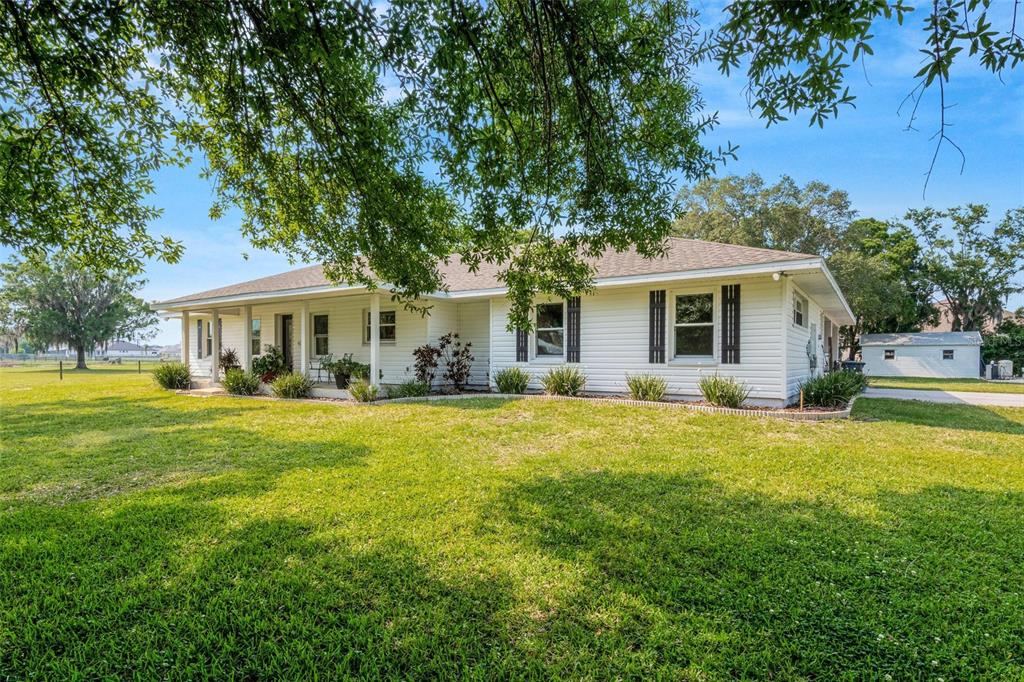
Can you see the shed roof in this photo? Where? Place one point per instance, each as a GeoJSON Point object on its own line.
{"type": "Point", "coordinates": [922, 339]}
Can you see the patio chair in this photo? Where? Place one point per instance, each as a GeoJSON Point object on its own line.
{"type": "Point", "coordinates": [320, 364]}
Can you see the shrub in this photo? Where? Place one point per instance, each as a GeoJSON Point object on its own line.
{"type": "Point", "coordinates": [458, 359]}
{"type": "Point", "coordinates": [723, 391]}
{"type": "Point", "coordinates": [362, 391]}
{"type": "Point", "coordinates": [238, 382]}
{"type": "Point", "coordinates": [268, 365]}
{"type": "Point", "coordinates": [834, 389]}
{"type": "Point", "coordinates": [229, 359]}
{"type": "Point", "coordinates": [564, 381]}
{"type": "Point", "coordinates": [172, 375]}
{"type": "Point", "coordinates": [425, 362]}
{"type": "Point", "coordinates": [646, 387]}
{"type": "Point", "coordinates": [414, 388]}
{"type": "Point", "coordinates": [512, 380]}
{"type": "Point", "coordinates": [291, 385]}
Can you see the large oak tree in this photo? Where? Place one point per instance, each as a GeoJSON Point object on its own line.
{"type": "Point", "coordinates": [62, 303]}
{"type": "Point", "coordinates": [389, 137]}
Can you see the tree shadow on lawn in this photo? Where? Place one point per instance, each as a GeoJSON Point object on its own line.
{"type": "Point", "coordinates": [639, 575]}
{"type": "Point", "coordinates": [941, 415]}
{"type": "Point", "coordinates": [684, 578]}
{"type": "Point", "coordinates": [169, 586]}
{"type": "Point", "coordinates": [65, 451]}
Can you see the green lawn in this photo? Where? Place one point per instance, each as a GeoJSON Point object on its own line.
{"type": "Point", "coordinates": [930, 384]}
{"type": "Point", "coordinates": [145, 534]}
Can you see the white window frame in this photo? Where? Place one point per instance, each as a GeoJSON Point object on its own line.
{"type": "Point", "coordinates": [674, 358]}
{"type": "Point", "coordinates": [537, 357]}
{"type": "Point", "coordinates": [256, 336]}
{"type": "Point", "coordinates": [804, 310]}
{"type": "Point", "coordinates": [209, 336]}
{"type": "Point", "coordinates": [326, 337]}
{"type": "Point", "coordinates": [366, 326]}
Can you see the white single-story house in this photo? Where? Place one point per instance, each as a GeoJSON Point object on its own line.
{"type": "Point", "coordinates": [769, 318]}
{"type": "Point", "coordinates": [949, 355]}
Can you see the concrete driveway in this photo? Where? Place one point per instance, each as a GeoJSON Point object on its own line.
{"type": "Point", "coordinates": [957, 397]}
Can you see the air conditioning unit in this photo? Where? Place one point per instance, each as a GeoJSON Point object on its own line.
{"type": "Point", "coordinates": [1005, 369]}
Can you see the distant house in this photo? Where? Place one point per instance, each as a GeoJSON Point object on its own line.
{"type": "Point", "coordinates": [768, 318]}
{"type": "Point", "coordinates": [171, 351]}
{"type": "Point", "coordinates": [120, 349]}
{"type": "Point", "coordinates": [926, 354]}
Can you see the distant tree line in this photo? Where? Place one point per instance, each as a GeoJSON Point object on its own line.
{"type": "Point", "coordinates": [892, 272]}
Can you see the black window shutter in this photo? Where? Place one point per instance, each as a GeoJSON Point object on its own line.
{"type": "Point", "coordinates": [657, 327]}
{"type": "Point", "coordinates": [731, 324]}
{"type": "Point", "coordinates": [572, 324]}
{"type": "Point", "coordinates": [522, 346]}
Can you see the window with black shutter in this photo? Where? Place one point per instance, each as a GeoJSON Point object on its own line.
{"type": "Point", "coordinates": [656, 345]}
{"type": "Point", "coordinates": [572, 330]}
{"type": "Point", "coordinates": [731, 324]}
{"type": "Point", "coordinates": [522, 346]}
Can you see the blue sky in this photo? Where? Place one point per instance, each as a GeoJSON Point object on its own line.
{"type": "Point", "coordinates": [866, 152]}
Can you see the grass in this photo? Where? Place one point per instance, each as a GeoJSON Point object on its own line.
{"type": "Point", "coordinates": [148, 534]}
{"type": "Point", "coordinates": [933, 384]}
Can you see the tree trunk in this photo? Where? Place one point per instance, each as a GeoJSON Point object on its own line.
{"type": "Point", "coordinates": [81, 357]}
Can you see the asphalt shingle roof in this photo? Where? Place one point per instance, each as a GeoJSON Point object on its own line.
{"type": "Point", "coordinates": [682, 255]}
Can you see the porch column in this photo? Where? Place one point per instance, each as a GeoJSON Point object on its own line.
{"type": "Point", "coordinates": [185, 329]}
{"type": "Point", "coordinates": [374, 338]}
{"type": "Point", "coordinates": [246, 358]}
{"type": "Point", "coordinates": [304, 339]}
{"type": "Point", "coordinates": [215, 352]}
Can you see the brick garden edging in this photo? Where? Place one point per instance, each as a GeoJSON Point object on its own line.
{"type": "Point", "coordinates": [810, 416]}
{"type": "Point", "coordinates": [711, 409]}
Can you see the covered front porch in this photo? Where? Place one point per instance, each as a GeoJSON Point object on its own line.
{"type": "Point", "coordinates": [312, 330]}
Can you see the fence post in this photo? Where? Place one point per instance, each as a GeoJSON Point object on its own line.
{"type": "Point", "coordinates": [140, 366]}
{"type": "Point", "coordinates": [61, 362]}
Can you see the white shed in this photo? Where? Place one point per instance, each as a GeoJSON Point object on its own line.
{"type": "Point", "coordinates": [924, 354]}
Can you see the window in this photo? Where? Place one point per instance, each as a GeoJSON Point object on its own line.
{"type": "Point", "coordinates": [319, 335]}
{"type": "Point", "coordinates": [209, 337]}
{"type": "Point", "coordinates": [947, 354]}
{"type": "Point", "coordinates": [387, 326]}
{"type": "Point", "coordinates": [694, 326]}
{"type": "Point", "coordinates": [799, 310]}
{"type": "Point", "coordinates": [890, 354]}
{"type": "Point", "coordinates": [550, 329]}
{"type": "Point", "coordinates": [199, 339]}
{"type": "Point", "coordinates": [256, 336]}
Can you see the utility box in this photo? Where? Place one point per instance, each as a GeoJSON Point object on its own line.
{"type": "Point", "coordinates": [1005, 369]}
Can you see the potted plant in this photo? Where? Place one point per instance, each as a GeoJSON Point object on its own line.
{"type": "Point", "coordinates": [268, 365]}
{"type": "Point", "coordinates": [345, 369]}
{"type": "Point", "coordinates": [229, 359]}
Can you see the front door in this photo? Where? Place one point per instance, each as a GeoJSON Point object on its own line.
{"type": "Point", "coordinates": [286, 340]}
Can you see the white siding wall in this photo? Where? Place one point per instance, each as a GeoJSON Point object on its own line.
{"type": "Point", "coordinates": [474, 326]}
{"type": "Point", "coordinates": [469, 320]}
{"type": "Point", "coordinates": [797, 364]}
{"type": "Point", "coordinates": [231, 337]}
{"type": "Point", "coordinates": [923, 361]}
{"type": "Point", "coordinates": [614, 340]}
